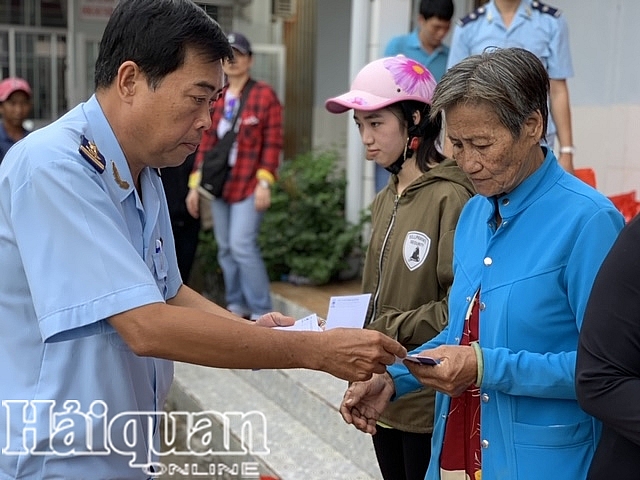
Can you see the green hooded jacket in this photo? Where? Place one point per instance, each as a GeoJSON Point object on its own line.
{"type": "Point", "coordinates": [408, 270]}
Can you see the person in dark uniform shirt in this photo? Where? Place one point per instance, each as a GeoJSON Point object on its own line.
{"type": "Point", "coordinates": [185, 228]}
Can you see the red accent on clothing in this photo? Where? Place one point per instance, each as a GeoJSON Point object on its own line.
{"type": "Point", "coordinates": [461, 446]}
{"type": "Point", "coordinates": [259, 139]}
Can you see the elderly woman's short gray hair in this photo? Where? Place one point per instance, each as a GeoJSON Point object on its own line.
{"type": "Point", "coordinates": [511, 80]}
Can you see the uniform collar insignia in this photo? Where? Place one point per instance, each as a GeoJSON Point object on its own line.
{"type": "Point", "coordinates": [123, 184]}
{"type": "Point", "coordinates": [90, 153]}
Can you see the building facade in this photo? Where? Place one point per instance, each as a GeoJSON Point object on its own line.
{"type": "Point", "coordinates": [310, 49]}
{"type": "Point", "coordinates": [54, 45]}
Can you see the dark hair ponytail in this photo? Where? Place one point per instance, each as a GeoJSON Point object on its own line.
{"type": "Point", "coordinates": [428, 131]}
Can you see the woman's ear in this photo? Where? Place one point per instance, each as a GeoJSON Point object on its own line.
{"type": "Point", "coordinates": [533, 125]}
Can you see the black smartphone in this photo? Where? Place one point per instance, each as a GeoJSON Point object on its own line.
{"type": "Point", "coordinates": [422, 360]}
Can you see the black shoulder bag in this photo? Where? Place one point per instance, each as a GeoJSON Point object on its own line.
{"type": "Point", "coordinates": [215, 166]}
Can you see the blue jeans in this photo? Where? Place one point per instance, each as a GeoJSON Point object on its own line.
{"type": "Point", "coordinates": [236, 227]}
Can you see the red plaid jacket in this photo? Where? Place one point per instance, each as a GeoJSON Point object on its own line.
{"type": "Point", "coordinates": [259, 140]}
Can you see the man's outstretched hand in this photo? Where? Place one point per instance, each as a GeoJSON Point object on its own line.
{"type": "Point", "coordinates": [354, 354]}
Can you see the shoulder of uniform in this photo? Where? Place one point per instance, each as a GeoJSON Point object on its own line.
{"type": "Point", "coordinates": [90, 153]}
{"type": "Point", "coordinates": [544, 8]}
{"type": "Point", "coordinates": [473, 16]}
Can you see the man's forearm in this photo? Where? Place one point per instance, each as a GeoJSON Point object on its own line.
{"type": "Point", "coordinates": [187, 297]}
{"type": "Point", "coordinates": [207, 338]}
{"type": "Point", "coordinates": [201, 337]}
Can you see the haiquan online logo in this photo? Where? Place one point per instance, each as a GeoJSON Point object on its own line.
{"type": "Point", "coordinates": [74, 431]}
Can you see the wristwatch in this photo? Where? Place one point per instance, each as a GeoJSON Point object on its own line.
{"type": "Point", "coordinates": [570, 150]}
{"type": "Point", "coordinates": [264, 183]}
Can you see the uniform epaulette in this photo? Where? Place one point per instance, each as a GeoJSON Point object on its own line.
{"type": "Point", "coordinates": [90, 153]}
{"type": "Point", "coordinates": [473, 16]}
{"type": "Point", "coordinates": [544, 8]}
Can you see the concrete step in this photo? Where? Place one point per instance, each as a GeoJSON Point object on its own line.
{"type": "Point", "coordinates": [313, 399]}
{"type": "Point", "coordinates": [305, 435]}
{"type": "Point", "coordinates": [321, 448]}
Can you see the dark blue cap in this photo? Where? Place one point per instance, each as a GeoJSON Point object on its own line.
{"type": "Point", "coordinates": [239, 42]}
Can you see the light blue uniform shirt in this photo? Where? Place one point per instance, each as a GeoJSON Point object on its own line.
{"type": "Point", "coordinates": [409, 45]}
{"type": "Point", "coordinates": [76, 247]}
{"type": "Point", "coordinates": [544, 33]}
{"type": "Point", "coordinates": [534, 273]}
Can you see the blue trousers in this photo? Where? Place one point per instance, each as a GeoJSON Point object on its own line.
{"type": "Point", "coordinates": [236, 227]}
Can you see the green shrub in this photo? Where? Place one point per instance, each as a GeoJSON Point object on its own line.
{"type": "Point", "coordinates": [305, 233]}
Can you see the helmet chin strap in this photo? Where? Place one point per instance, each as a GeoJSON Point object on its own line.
{"type": "Point", "coordinates": [409, 147]}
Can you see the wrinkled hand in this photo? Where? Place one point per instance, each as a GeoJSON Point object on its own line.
{"type": "Point", "coordinates": [456, 371]}
{"type": "Point", "coordinates": [364, 402]}
{"type": "Point", "coordinates": [354, 354]}
{"type": "Point", "coordinates": [275, 319]}
{"type": "Point", "coordinates": [193, 203]}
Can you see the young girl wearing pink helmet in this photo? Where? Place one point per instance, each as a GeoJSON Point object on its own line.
{"type": "Point", "coordinates": [408, 266]}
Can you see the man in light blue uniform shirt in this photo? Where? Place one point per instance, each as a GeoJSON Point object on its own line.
{"type": "Point", "coordinates": [424, 44]}
{"type": "Point", "coordinates": [92, 306]}
{"type": "Point", "coordinates": [115, 260]}
{"type": "Point", "coordinates": [542, 30]}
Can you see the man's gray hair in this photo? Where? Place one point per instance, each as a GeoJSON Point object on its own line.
{"type": "Point", "coordinates": [512, 81]}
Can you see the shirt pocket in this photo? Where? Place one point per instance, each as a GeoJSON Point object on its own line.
{"type": "Point", "coordinates": [250, 135]}
{"type": "Point", "coordinates": [160, 265]}
{"type": "Point", "coordinates": [544, 450]}
{"type": "Point", "coordinates": [160, 270]}
{"type": "Point", "coordinates": [538, 44]}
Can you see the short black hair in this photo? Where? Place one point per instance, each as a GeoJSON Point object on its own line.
{"type": "Point", "coordinates": [155, 34]}
{"type": "Point", "coordinates": [442, 9]}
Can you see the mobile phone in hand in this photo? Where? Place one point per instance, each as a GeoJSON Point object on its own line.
{"type": "Point", "coordinates": [422, 360]}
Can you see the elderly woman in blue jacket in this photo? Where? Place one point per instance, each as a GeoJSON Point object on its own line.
{"type": "Point", "coordinates": [526, 251]}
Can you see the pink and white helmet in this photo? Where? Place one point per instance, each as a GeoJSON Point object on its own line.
{"type": "Point", "coordinates": [384, 82]}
